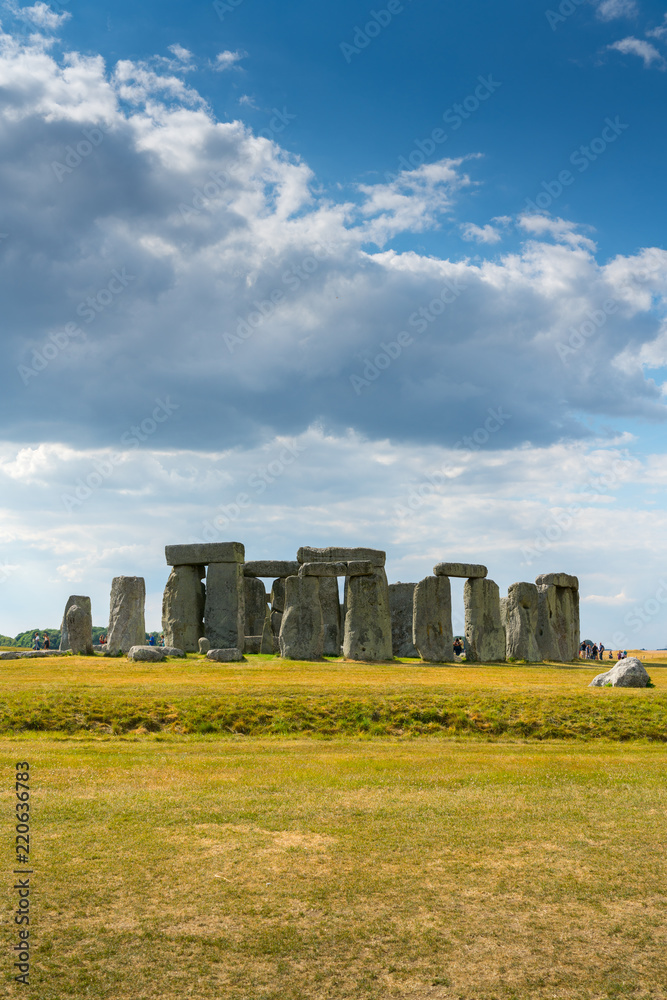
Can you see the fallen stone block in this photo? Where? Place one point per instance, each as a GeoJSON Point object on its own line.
{"type": "Point", "coordinates": [627, 673]}
{"type": "Point", "coordinates": [174, 651]}
{"type": "Point", "coordinates": [226, 655]}
{"type": "Point", "coordinates": [152, 654]}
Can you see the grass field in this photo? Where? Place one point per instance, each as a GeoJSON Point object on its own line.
{"type": "Point", "coordinates": [357, 858]}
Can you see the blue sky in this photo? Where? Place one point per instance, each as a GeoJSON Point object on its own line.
{"type": "Point", "coordinates": [265, 202]}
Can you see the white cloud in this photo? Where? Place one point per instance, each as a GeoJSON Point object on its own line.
{"type": "Point", "coordinates": [40, 14]}
{"type": "Point", "coordinates": [225, 60]}
{"type": "Point", "coordinates": [182, 54]}
{"type": "Point", "coordinates": [609, 10]}
{"type": "Point", "coordinates": [636, 46]}
{"type": "Point", "coordinates": [480, 234]}
{"type": "Point", "coordinates": [660, 31]}
{"type": "Point", "coordinates": [245, 100]}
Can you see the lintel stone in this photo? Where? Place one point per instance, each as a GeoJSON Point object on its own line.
{"type": "Point", "coordinates": [204, 553]}
{"type": "Point", "coordinates": [339, 554]}
{"type": "Point", "coordinates": [469, 571]}
{"type": "Point", "coordinates": [271, 568]}
{"type": "Point", "coordinates": [557, 580]}
{"type": "Point", "coordinates": [323, 569]}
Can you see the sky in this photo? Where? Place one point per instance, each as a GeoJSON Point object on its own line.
{"type": "Point", "coordinates": [334, 274]}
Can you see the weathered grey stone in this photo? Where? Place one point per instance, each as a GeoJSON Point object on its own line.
{"type": "Point", "coordinates": [271, 567]}
{"type": "Point", "coordinates": [628, 673]}
{"type": "Point", "coordinates": [278, 594]}
{"type": "Point", "coordinates": [127, 626]}
{"type": "Point", "coordinates": [485, 635]}
{"type": "Point", "coordinates": [152, 654]}
{"type": "Point", "coordinates": [276, 622]}
{"type": "Point", "coordinates": [80, 630]}
{"type": "Point", "coordinates": [253, 644]}
{"type": "Point", "coordinates": [11, 655]}
{"type": "Point", "coordinates": [204, 553]}
{"type": "Point", "coordinates": [302, 627]}
{"type": "Point", "coordinates": [401, 597]}
{"type": "Point", "coordinates": [337, 554]}
{"type": "Point", "coordinates": [329, 602]}
{"type": "Point", "coordinates": [81, 602]}
{"type": "Point", "coordinates": [183, 607]}
{"type": "Point", "coordinates": [255, 605]}
{"type": "Point", "coordinates": [432, 620]}
{"type": "Point", "coordinates": [203, 645]}
{"type": "Point", "coordinates": [224, 613]}
{"type": "Point", "coordinates": [233, 655]}
{"type": "Point", "coordinates": [558, 623]}
{"type": "Point", "coordinates": [30, 654]}
{"type": "Point", "coordinates": [470, 571]}
{"type": "Point", "coordinates": [368, 619]}
{"type": "Point", "coordinates": [557, 580]}
{"type": "Point", "coordinates": [503, 613]}
{"type": "Point", "coordinates": [178, 654]}
{"type": "Point", "coordinates": [323, 569]}
{"type": "Point", "coordinates": [360, 567]}
{"type": "Point", "coordinates": [521, 615]}
{"type": "Point", "coordinates": [269, 640]}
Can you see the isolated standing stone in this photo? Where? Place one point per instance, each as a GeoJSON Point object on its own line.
{"type": "Point", "coordinates": [80, 630]}
{"type": "Point", "coordinates": [224, 615]}
{"type": "Point", "coordinates": [302, 626]}
{"type": "Point", "coordinates": [432, 620]}
{"type": "Point", "coordinates": [521, 610]}
{"type": "Point", "coordinates": [255, 605]}
{"type": "Point", "coordinates": [183, 608]}
{"type": "Point", "coordinates": [558, 617]}
{"type": "Point", "coordinates": [127, 625]}
{"type": "Point", "coordinates": [368, 618]}
{"type": "Point", "coordinates": [203, 645]}
{"type": "Point", "coordinates": [330, 615]}
{"type": "Point", "coordinates": [485, 634]}
{"type": "Point", "coordinates": [81, 602]}
{"type": "Point", "coordinates": [629, 673]}
{"type": "Point", "coordinates": [401, 597]}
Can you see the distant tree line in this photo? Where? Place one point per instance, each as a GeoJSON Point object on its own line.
{"type": "Point", "coordinates": [25, 639]}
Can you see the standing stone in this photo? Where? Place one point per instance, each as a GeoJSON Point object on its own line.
{"type": "Point", "coordinates": [521, 614]}
{"type": "Point", "coordinates": [127, 625]}
{"type": "Point", "coordinates": [368, 619]}
{"type": "Point", "coordinates": [278, 594]}
{"type": "Point", "coordinates": [330, 615]}
{"type": "Point", "coordinates": [485, 634]}
{"type": "Point", "coordinates": [255, 605]}
{"type": "Point", "coordinates": [302, 626]}
{"type": "Point", "coordinates": [401, 596]}
{"type": "Point", "coordinates": [183, 608]}
{"type": "Point", "coordinates": [269, 641]}
{"type": "Point", "coordinates": [558, 617]}
{"type": "Point", "coordinates": [203, 646]}
{"type": "Point", "coordinates": [81, 602]}
{"type": "Point", "coordinates": [80, 630]}
{"type": "Point", "coordinates": [224, 613]}
{"type": "Point", "coordinates": [432, 620]}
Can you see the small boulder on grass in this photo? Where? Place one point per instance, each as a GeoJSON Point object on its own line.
{"type": "Point", "coordinates": [172, 651]}
{"type": "Point", "coordinates": [152, 653]}
{"type": "Point", "coordinates": [627, 673]}
{"type": "Point", "coordinates": [225, 655]}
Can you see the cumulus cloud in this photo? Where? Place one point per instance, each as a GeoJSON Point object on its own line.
{"type": "Point", "coordinates": [40, 15]}
{"type": "Point", "coordinates": [638, 47]}
{"type": "Point", "coordinates": [609, 10]}
{"type": "Point", "coordinates": [480, 234]}
{"type": "Point", "coordinates": [225, 60]}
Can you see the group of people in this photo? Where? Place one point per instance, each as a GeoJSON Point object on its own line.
{"type": "Point", "coordinates": [41, 643]}
{"type": "Point", "coordinates": [153, 642]}
{"type": "Point", "coordinates": [588, 651]}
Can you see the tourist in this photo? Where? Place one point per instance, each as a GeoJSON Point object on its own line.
{"type": "Point", "coordinates": [594, 653]}
{"type": "Point", "coordinates": [601, 648]}
{"type": "Point", "coordinates": [151, 640]}
{"type": "Point", "coordinates": [457, 647]}
{"type": "Point", "coordinates": [36, 644]}
{"type": "Point", "coordinates": [161, 640]}
{"type": "Point", "coordinates": [47, 641]}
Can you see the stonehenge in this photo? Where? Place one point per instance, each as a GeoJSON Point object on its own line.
{"type": "Point", "coordinates": [303, 617]}
{"type": "Point", "coordinates": [80, 629]}
{"type": "Point", "coordinates": [81, 602]}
